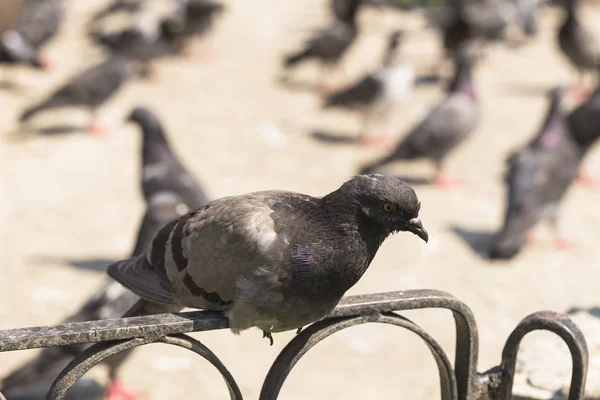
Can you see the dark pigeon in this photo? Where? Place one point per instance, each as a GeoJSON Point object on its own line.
{"type": "Point", "coordinates": [376, 93]}
{"type": "Point", "coordinates": [137, 43]}
{"type": "Point", "coordinates": [38, 23]}
{"type": "Point", "coordinates": [328, 45]}
{"type": "Point", "coordinates": [541, 173]}
{"type": "Point", "coordinates": [446, 126]}
{"type": "Point", "coordinates": [161, 170]}
{"type": "Point", "coordinates": [89, 89]}
{"type": "Point", "coordinates": [578, 44]}
{"type": "Point", "coordinates": [275, 260]}
{"type": "Point", "coordinates": [538, 177]}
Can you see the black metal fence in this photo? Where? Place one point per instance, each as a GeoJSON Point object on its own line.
{"type": "Point", "coordinates": [458, 381]}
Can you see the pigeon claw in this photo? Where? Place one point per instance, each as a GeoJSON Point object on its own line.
{"type": "Point", "coordinates": [95, 129]}
{"type": "Point", "coordinates": [587, 180]}
{"type": "Point", "coordinates": [563, 243]}
{"type": "Point", "coordinates": [267, 334]}
{"type": "Point", "coordinates": [116, 391]}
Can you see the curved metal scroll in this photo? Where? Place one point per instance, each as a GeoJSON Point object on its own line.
{"type": "Point", "coordinates": [100, 351]}
{"type": "Point", "coordinates": [318, 331]}
{"type": "Point", "coordinates": [566, 329]}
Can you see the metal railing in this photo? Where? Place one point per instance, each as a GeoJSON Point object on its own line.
{"type": "Point", "coordinates": [458, 381]}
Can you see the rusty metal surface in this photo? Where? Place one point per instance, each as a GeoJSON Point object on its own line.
{"type": "Point", "coordinates": [458, 382]}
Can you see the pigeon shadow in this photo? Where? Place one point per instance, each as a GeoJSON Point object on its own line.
{"type": "Point", "coordinates": [428, 79]}
{"type": "Point", "coordinates": [594, 311]}
{"type": "Point", "coordinates": [414, 180]}
{"type": "Point", "coordinates": [478, 241]}
{"type": "Point", "coordinates": [59, 130]}
{"type": "Point", "coordinates": [335, 137]}
{"type": "Point", "coordinates": [92, 264]}
{"type": "Point", "coordinates": [527, 88]}
{"type": "Point", "coordinates": [297, 85]}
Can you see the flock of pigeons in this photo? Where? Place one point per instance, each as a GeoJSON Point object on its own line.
{"type": "Point", "coordinates": [265, 259]}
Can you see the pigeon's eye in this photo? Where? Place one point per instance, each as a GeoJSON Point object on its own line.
{"type": "Point", "coordinates": [388, 207]}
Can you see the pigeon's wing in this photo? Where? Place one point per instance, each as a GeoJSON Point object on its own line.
{"type": "Point", "coordinates": [363, 92]}
{"type": "Point", "coordinates": [444, 128]}
{"type": "Point", "coordinates": [172, 176]}
{"type": "Point", "coordinates": [94, 85]}
{"type": "Point", "coordinates": [331, 41]}
{"type": "Point", "coordinates": [197, 260]}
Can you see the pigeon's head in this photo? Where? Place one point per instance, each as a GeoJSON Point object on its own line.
{"type": "Point", "coordinates": [18, 49]}
{"type": "Point", "coordinates": [388, 202]}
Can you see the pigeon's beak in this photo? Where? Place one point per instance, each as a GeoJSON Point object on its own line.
{"type": "Point", "coordinates": [416, 227]}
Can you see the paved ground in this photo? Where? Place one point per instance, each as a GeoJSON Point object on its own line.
{"type": "Point", "coordinates": [71, 202]}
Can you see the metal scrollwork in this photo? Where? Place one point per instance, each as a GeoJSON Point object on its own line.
{"type": "Point", "coordinates": [100, 351]}
{"type": "Point", "coordinates": [458, 382]}
{"type": "Point", "coordinates": [315, 333]}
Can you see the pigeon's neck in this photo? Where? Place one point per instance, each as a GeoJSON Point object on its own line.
{"type": "Point", "coordinates": [155, 147]}
{"type": "Point", "coordinates": [571, 11]}
{"type": "Point", "coordinates": [463, 81]}
{"type": "Point", "coordinates": [551, 130]}
{"type": "Point", "coordinates": [586, 135]}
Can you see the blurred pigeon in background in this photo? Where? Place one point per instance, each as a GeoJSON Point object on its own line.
{"type": "Point", "coordinates": [89, 89]}
{"type": "Point", "coordinates": [446, 126]}
{"type": "Point", "coordinates": [376, 94]}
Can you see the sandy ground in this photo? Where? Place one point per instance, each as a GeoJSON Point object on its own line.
{"type": "Point", "coordinates": [71, 203]}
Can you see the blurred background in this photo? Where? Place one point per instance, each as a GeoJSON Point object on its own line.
{"type": "Point", "coordinates": [240, 120]}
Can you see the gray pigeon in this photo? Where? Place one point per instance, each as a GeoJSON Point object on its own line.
{"type": "Point", "coordinates": [90, 89]}
{"type": "Point", "coordinates": [275, 260]}
{"type": "Point", "coordinates": [541, 173]}
{"type": "Point", "coordinates": [446, 126]}
{"type": "Point", "coordinates": [376, 93]}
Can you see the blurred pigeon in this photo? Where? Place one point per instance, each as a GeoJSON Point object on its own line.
{"type": "Point", "coordinates": [147, 39]}
{"type": "Point", "coordinates": [578, 44]}
{"type": "Point", "coordinates": [538, 177]}
{"type": "Point", "coordinates": [161, 170]}
{"type": "Point", "coordinates": [329, 44]}
{"type": "Point", "coordinates": [90, 89]}
{"type": "Point", "coordinates": [376, 93]}
{"type": "Point", "coordinates": [446, 126]}
{"type": "Point", "coordinates": [276, 260]}
{"type": "Point", "coordinates": [37, 24]}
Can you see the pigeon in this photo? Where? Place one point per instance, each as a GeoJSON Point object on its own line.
{"type": "Point", "coordinates": [377, 92]}
{"type": "Point", "coordinates": [161, 170]}
{"type": "Point", "coordinates": [32, 380]}
{"type": "Point", "coordinates": [578, 44]}
{"type": "Point", "coordinates": [446, 126]}
{"type": "Point", "coordinates": [538, 177]}
{"type": "Point", "coordinates": [147, 39]}
{"type": "Point", "coordinates": [275, 260]}
{"type": "Point", "coordinates": [37, 24]}
{"type": "Point", "coordinates": [90, 89]}
{"type": "Point", "coordinates": [329, 44]}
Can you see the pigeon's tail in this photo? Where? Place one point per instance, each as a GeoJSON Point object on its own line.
{"type": "Point", "coordinates": [506, 246]}
{"type": "Point", "coordinates": [30, 112]}
{"type": "Point", "coordinates": [137, 275]}
{"type": "Point", "coordinates": [295, 58]}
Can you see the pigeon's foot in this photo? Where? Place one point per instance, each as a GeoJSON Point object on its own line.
{"type": "Point", "coordinates": [268, 335]}
{"type": "Point", "coordinates": [45, 62]}
{"type": "Point", "coordinates": [445, 182]}
{"type": "Point", "coordinates": [116, 391]}
{"type": "Point", "coordinates": [587, 180]}
{"type": "Point", "coordinates": [562, 243]}
{"type": "Point", "coordinates": [531, 238]}
{"type": "Point", "coordinates": [580, 92]}
{"type": "Point", "coordinates": [382, 142]}
{"type": "Point", "coordinates": [95, 129]}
